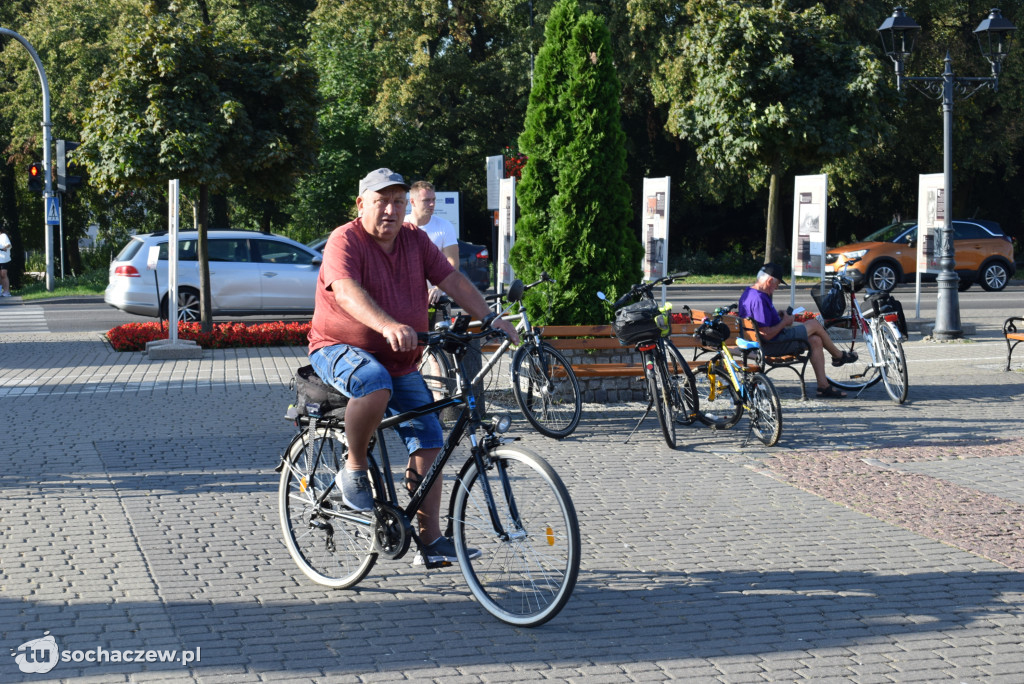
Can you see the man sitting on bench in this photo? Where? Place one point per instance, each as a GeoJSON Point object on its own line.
{"type": "Point", "coordinates": [782, 336]}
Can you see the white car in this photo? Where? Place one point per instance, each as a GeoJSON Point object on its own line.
{"type": "Point", "coordinates": [251, 273]}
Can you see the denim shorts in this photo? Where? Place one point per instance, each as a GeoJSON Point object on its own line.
{"type": "Point", "coordinates": [356, 373]}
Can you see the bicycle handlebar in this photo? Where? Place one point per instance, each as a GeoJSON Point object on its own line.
{"type": "Point", "coordinates": [641, 290]}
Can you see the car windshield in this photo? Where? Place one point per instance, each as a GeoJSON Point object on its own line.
{"type": "Point", "coordinates": [889, 233]}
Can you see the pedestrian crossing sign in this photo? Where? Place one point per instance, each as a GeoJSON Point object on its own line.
{"type": "Point", "coordinates": [53, 211]}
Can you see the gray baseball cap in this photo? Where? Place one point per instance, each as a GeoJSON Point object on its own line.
{"type": "Point", "coordinates": [380, 179]}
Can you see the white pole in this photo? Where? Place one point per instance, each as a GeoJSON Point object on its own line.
{"type": "Point", "coordinates": [172, 260]}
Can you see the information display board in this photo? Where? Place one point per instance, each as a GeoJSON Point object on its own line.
{"type": "Point", "coordinates": [810, 219]}
{"type": "Point", "coordinates": [506, 231]}
{"type": "Point", "coordinates": [931, 215]}
{"type": "Point", "coordinates": [655, 227]}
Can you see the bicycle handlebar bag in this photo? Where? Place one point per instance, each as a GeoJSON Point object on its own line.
{"type": "Point", "coordinates": [639, 322]}
{"type": "Point", "coordinates": [713, 335]}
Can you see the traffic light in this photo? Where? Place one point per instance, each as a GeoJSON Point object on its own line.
{"type": "Point", "coordinates": [35, 177]}
{"type": "Point", "coordinates": [66, 183]}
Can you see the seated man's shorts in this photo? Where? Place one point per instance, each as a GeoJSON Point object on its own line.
{"type": "Point", "coordinates": [356, 373]}
{"type": "Point", "coordinates": [791, 340]}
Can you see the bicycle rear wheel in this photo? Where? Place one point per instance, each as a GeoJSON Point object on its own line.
{"type": "Point", "coordinates": [894, 363]}
{"type": "Point", "coordinates": [720, 404]}
{"type": "Point", "coordinates": [854, 376]}
{"type": "Point", "coordinates": [526, 575]}
{"type": "Point", "coordinates": [546, 390]}
{"type": "Point", "coordinates": [438, 373]}
{"type": "Point", "coordinates": [330, 544]}
{"type": "Point", "coordinates": [764, 409]}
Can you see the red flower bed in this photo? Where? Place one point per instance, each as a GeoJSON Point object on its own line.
{"type": "Point", "coordinates": [134, 336]}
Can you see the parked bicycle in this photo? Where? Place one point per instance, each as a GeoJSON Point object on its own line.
{"type": "Point", "coordinates": [543, 382]}
{"type": "Point", "coordinates": [506, 501]}
{"type": "Point", "coordinates": [725, 389]}
{"type": "Point", "coordinates": [874, 335]}
{"type": "Point", "coordinates": [670, 384]}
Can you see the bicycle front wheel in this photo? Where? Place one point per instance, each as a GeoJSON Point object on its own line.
{"type": "Point", "coordinates": [849, 337]}
{"type": "Point", "coordinates": [720, 404]}
{"type": "Point", "coordinates": [764, 409]}
{"type": "Point", "coordinates": [331, 545]}
{"type": "Point", "coordinates": [525, 574]}
{"type": "Point", "coordinates": [546, 390]}
{"type": "Point", "coordinates": [894, 362]}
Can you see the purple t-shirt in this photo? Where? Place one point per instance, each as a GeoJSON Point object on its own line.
{"type": "Point", "coordinates": [757, 305]}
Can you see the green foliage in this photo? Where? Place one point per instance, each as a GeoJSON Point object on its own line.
{"type": "Point", "coordinates": [191, 102]}
{"type": "Point", "coordinates": [573, 198]}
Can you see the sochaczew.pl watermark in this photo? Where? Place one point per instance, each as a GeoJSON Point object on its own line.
{"type": "Point", "coordinates": [39, 656]}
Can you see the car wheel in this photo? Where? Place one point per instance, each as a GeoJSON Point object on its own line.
{"type": "Point", "coordinates": [882, 277]}
{"type": "Point", "coordinates": [994, 277]}
{"type": "Point", "coordinates": [188, 305]}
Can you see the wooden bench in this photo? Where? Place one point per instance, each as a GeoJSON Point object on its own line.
{"type": "Point", "coordinates": [600, 337]}
{"type": "Point", "coordinates": [1012, 335]}
{"type": "Point", "coordinates": [769, 362]}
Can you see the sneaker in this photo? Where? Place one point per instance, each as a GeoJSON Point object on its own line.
{"type": "Point", "coordinates": [354, 490]}
{"type": "Point", "coordinates": [440, 552]}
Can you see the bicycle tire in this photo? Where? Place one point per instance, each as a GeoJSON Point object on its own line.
{"type": "Point", "coordinates": [894, 363]}
{"type": "Point", "coordinates": [658, 389]}
{"type": "Point", "coordinates": [436, 369]}
{"type": "Point", "coordinates": [546, 389]}
{"type": "Point", "coordinates": [764, 409]}
{"type": "Point", "coordinates": [525, 576]}
{"type": "Point", "coordinates": [720, 405]}
{"type": "Point", "coordinates": [328, 549]}
{"type": "Point", "coordinates": [684, 385]}
{"type": "Point", "coordinates": [860, 374]}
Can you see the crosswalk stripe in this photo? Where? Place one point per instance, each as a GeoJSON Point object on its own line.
{"type": "Point", "coordinates": [22, 319]}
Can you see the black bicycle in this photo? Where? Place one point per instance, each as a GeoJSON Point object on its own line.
{"type": "Point", "coordinates": [506, 501]}
{"type": "Point", "coordinates": [671, 386]}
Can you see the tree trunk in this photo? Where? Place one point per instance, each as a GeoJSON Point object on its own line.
{"type": "Point", "coordinates": [771, 234]}
{"type": "Point", "coordinates": [205, 315]}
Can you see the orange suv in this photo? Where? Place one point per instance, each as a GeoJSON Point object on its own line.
{"type": "Point", "coordinates": [982, 251]}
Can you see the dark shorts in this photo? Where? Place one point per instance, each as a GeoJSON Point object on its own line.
{"type": "Point", "coordinates": [791, 340]}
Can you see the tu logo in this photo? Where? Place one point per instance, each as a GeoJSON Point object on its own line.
{"type": "Point", "coordinates": [38, 655]}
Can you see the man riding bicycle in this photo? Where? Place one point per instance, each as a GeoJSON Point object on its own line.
{"type": "Point", "coordinates": [371, 299]}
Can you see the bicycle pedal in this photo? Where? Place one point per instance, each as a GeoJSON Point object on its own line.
{"type": "Point", "coordinates": [438, 564]}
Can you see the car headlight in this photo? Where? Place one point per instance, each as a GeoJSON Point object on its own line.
{"type": "Point", "coordinates": [854, 254]}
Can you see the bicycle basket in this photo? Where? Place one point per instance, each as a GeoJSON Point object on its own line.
{"type": "Point", "coordinates": [833, 304]}
{"type": "Point", "coordinates": [639, 322]}
{"type": "Point", "coordinates": [713, 335]}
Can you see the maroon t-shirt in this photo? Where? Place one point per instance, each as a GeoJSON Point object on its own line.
{"type": "Point", "coordinates": [396, 281]}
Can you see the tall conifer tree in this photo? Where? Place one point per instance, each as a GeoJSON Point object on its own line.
{"type": "Point", "coordinates": [573, 198]}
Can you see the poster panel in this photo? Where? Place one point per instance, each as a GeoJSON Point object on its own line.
{"type": "Point", "coordinates": [931, 215]}
{"type": "Point", "coordinates": [655, 227]}
{"type": "Point", "coordinates": [506, 231]}
{"type": "Point", "coordinates": [495, 172]}
{"type": "Point", "coordinates": [810, 214]}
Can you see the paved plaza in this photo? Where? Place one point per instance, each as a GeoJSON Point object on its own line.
{"type": "Point", "coordinates": [876, 543]}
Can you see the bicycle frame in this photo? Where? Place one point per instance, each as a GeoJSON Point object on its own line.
{"type": "Point", "coordinates": [468, 418]}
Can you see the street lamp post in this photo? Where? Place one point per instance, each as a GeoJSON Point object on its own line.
{"type": "Point", "coordinates": [898, 34]}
